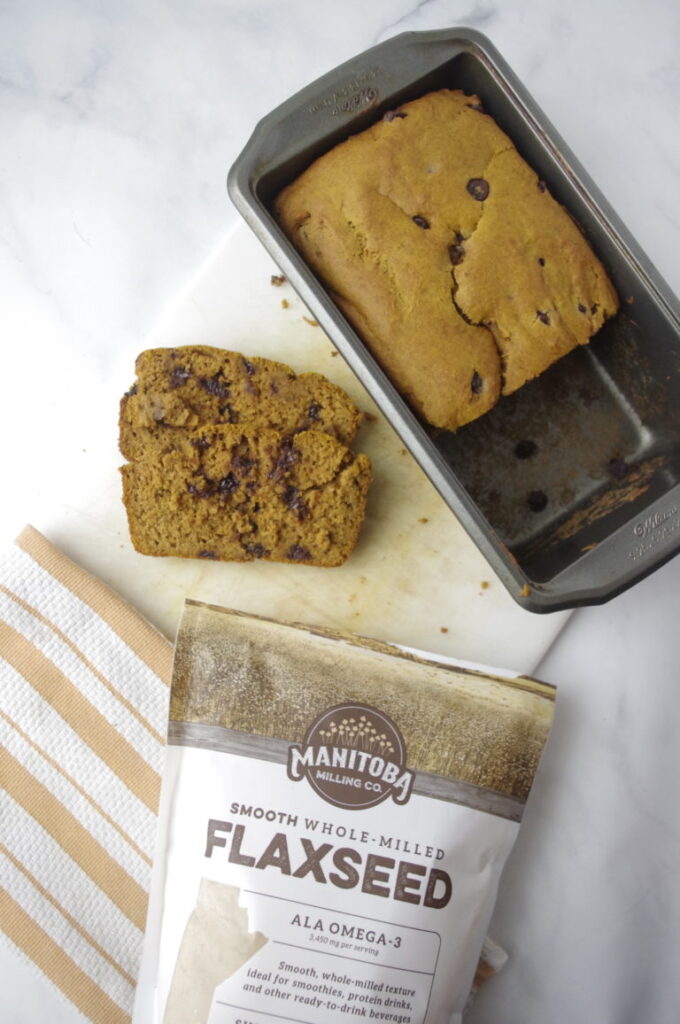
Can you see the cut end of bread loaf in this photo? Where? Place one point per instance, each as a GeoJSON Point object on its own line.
{"type": "Point", "coordinates": [448, 255]}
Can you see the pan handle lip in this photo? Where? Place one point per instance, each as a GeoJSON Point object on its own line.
{"type": "Point", "coordinates": [617, 563]}
{"type": "Point", "coordinates": [393, 64]}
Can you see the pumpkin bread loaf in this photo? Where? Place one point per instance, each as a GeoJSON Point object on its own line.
{"type": "Point", "coordinates": [238, 494]}
{"type": "Point", "coordinates": [196, 386]}
{"type": "Point", "coordinates": [448, 255]}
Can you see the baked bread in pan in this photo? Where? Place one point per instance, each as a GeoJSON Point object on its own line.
{"type": "Point", "coordinates": [448, 255]}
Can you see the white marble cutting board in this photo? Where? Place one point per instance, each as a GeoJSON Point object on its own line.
{"type": "Point", "coordinates": [415, 577]}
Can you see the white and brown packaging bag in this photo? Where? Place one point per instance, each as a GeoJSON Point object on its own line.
{"type": "Point", "coordinates": [336, 815]}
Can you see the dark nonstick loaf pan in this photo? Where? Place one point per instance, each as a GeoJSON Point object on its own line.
{"type": "Point", "coordinates": [570, 486]}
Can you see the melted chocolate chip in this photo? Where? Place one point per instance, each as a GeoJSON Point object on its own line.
{"type": "Point", "coordinates": [288, 456]}
{"type": "Point", "coordinates": [537, 500]}
{"type": "Point", "coordinates": [582, 308]}
{"type": "Point", "coordinates": [478, 188]}
{"type": "Point", "coordinates": [202, 492]}
{"type": "Point", "coordinates": [292, 499]}
{"type": "Point", "coordinates": [525, 449]}
{"type": "Point", "coordinates": [543, 316]}
{"type": "Point", "coordinates": [618, 468]}
{"type": "Point", "coordinates": [476, 384]}
{"type": "Point", "coordinates": [241, 463]}
{"type": "Point", "coordinates": [541, 185]}
{"type": "Point", "coordinates": [392, 114]}
{"type": "Point", "coordinates": [541, 261]}
{"type": "Point", "coordinates": [202, 443]}
{"type": "Point", "coordinates": [314, 410]}
{"type": "Point", "coordinates": [216, 385]}
{"type": "Point", "coordinates": [206, 554]}
{"type": "Point", "coordinates": [285, 460]}
{"type": "Point", "coordinates": [594, 308]}
{"type": "Point", "coordinates": [420, 221]}
{"type": "Point", "coordinates": [256, 550]}
{"type": "Point", "coordinates": [248, 367]}
{"type": "Point", "coordinates": [456, 254]}
{"type": "Point", "coordinates": [179, 376]}
{"type": "Point", "coordinates": [227, 485]}
{"type": "Point", "coordinates": [231, 414]}
{"type": "Point", "coordinates": [299, 554]}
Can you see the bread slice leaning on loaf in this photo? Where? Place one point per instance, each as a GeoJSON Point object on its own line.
{"type": "Point", "coordinates": [447, 254]}
{"type": "Point", "coordinates": [197, 385]}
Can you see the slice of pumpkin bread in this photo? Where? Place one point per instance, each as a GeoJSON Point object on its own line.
{"type": "Point", "coordinates": [238, 494]}
{"type": "Point", "coordinates": [196, 386]}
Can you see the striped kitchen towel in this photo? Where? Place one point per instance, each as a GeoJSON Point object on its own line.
{"type": "Point", "coordinates": [83, 710]}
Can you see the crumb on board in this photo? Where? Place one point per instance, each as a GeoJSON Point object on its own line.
{"type": "Point", "coordinates": [285, 303]}
{"type": "Point", "coordinates": [333, 352]}
{"type": "Point", "coordinates": [589, 547]}
{"type": "Point", "coordinates": [310, 321]}
{"type": "Point", "coordinates": [369, 417]}
{"type": "Point", "coordinates": [277, 280]}
{"type": "Point", "coordinates": [402, 451]}
{"type": "Point", "coordinates": [423, 519]}
{"type": "Point", "coordinates": [525, 591]}
{"type": "Point", "coordinates": [630, 300]}
{"type": "Point", "coordinates": [443, 629]}
{"type": "Point", "coordinates": [484, 584]}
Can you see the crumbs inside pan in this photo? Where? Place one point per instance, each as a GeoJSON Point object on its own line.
{"type": "Point", "coordinates": [636, 483]}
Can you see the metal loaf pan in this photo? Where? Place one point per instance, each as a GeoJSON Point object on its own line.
{"type": "Point", "coordinates": [605, 420]}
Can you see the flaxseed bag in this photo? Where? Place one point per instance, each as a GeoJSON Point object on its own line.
{"type": "Point", "coordinates": [336, 814]}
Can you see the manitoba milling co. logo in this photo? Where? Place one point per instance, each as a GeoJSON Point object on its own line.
{"type": "Point", "coordinates": [354, 757]}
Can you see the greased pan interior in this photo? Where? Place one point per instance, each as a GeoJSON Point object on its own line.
{"type": "Point", "coordinates": [605, 420]}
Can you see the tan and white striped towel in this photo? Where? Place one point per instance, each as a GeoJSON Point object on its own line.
{"type": "Point", "coordinates": [83, 711]}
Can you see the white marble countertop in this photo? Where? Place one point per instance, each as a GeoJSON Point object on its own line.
{"type": "Point", "coordinates": [118, 125]}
